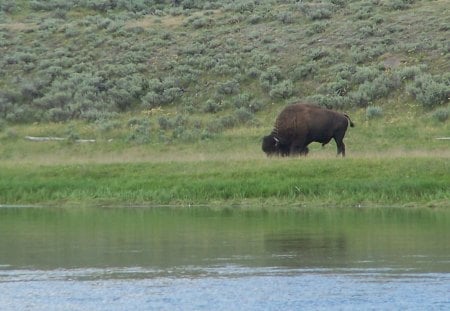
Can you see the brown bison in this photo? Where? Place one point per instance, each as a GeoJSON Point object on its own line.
{"type": "Point", "coordinates": [299, 125]}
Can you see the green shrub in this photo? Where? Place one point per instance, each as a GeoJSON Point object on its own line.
{"type": "Point", "coordinates": [374, 112]}
{"type": "Point", "coordinates": [399, 4]}
{"type": "Point", "coordinates": [318, 53]}
{"type": "Point", "coordinates": [50, 5]}
{"type": "Point", "coordinates": [409, 73]}
{"type": "Point", "coordinates": [307, 70]}
{"type": "Point", "coordinates": [8, 6]}
{"type": "Point", "coordinates": [316, 11]}
{"type": "Point", "coordinates": [243, 115]}
{"type": "Point", "coordinates": [270, 77]}
{"type": "Point", "coordinates": [281, 90]}
{"type": "Point", "coordinates": [140, 131]}
{"type": "Point", "coordinates": [364, 74]}
{"type": "Point", "coordinates": [286, 17]}
{"type": "Point", "coordinates": [441, 114]}
{"type": "Point", "coordinates": [30, 90]}
{"type": "Point", "coordinates": [227, 122]}
{"type": "Point", "coordinates": [189, 135]}
{"type": "Point", "coordinates": [107, 125]}
{"type": "Point", "coordinates": [429, 91]}
{"type": "Point", "coordinates": [366, 30]}
{"type": "Point", "coordinates": [6, 105]}
{"type": "Point", "coordinates": [242, 100]}
{"type": "Point", "coordinates": [253, 72]}
{"type": "Point", "coordinates": [228, 87]}
{"type": "Point", "coordinates": [71, 133]}
{"type": "Point", "coordinates": [254, 19]}
{"type": "Point", "coordinates": [95, 114]}
{"type": "Point", "coordinates": [165, 123]}
{"type": "Point", "coordinates": [160, 92]}
{"type": "Point", "coordinates": [328, 101]}
{"type": "Point", "coordinates": [243, 6]}
{"type": "Point", "coordinates": [178, 124]}
{"type": "Point", "coordinates": [212, 106]}
{"type": "Point", "coordinates": [373, 88]}
{"type": "Point", "coordinates": [361, 54]}
{"type": "Point", "coordinates": [58, 114]}
{"type": "Point", "coordinates": [317, 28]}
{"type": "Point", "coordinates": [339, 87]}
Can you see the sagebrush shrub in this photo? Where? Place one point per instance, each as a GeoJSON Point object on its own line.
{"type": "Point", "coordinates": [282, 90]}
{"type": "Point", "coordinates": [307, 70]}
{"type": "Point", "coordinates": [228, 87]}
{"type": "Point", "coordinates": [429, 91]}
{"type": "Point", "coordinates": [316, 11]}
{"type": "Point", "coordinates": [328, 101]}
{"type": "Point", "coordinates": [441, 114]}
{"type": "Point", "coordinates": [374, 112]}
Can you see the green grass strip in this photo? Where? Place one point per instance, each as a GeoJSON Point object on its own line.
{"type": "Point", "coordinates": [269, 182]}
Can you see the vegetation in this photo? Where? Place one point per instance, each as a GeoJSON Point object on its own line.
{"type": "Point", "coordinates": [91, 60]}
{"type": "Point", "coordinates": [189, 82]}
{"type": "Point", "coordinates": [315, 182]}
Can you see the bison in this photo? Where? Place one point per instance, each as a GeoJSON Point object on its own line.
{"type": "Point", "coordinates": [298, 125]}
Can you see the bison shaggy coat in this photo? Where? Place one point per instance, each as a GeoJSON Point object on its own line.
{"type": "Point", "coordinates": [298, 125]}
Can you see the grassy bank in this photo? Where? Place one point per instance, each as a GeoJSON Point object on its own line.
{"type": "Point", "coordinates": [412, 181]}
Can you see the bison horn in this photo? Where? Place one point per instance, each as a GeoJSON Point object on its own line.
{"type": "Point", "coordinates": [277, 141]}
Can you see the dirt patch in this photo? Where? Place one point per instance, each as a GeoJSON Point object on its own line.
{"type": "Point", "coordinates": [18, 26]}
{"type": "Point", "coordinates": [149, 21]}
{"type": "Point", "coordinates": [392, 61]}
{"type": "Point", "coordinates": [166, 21]}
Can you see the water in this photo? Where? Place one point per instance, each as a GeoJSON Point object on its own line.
{"type": "Point", "coordinates": [231, 259]}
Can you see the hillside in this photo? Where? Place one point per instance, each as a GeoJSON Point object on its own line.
{"type": "Point", "coordinates": [187, 70]}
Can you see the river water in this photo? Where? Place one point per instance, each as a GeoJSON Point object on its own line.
{"type": "Point", "coordinates": [225, 259]}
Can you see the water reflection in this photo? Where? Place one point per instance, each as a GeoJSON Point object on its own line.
{"type": "Point", "coordinates": [164, 239]}
{"type": "Point", "coordinates": [307, 251]}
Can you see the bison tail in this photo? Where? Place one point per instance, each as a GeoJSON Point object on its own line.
{"type": "Point", "coordinates": [349, 121]}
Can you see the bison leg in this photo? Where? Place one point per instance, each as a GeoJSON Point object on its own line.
{"type": "Point", "coordinates": [341, 149]}
{"type": "Point", "coordinates": [340, 146]}
{"type": "Point", "coordinates": [339, 139]}
{"type": "Point", "coordinates": [298, 148]}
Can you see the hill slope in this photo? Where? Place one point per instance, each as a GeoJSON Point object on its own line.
{"type": "Point", "coordinates": [189, 69]}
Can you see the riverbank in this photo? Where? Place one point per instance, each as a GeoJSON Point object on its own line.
{"type": "Point", "coordinates": [333, 182]}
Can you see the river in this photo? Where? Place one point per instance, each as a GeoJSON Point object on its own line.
{"type": "Point", "coordinates": [83, 258]}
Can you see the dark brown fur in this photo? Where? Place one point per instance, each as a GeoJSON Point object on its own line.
{"type": "Point", "coordinates": [299, 125]}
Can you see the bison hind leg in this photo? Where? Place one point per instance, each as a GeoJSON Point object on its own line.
{"type": "Point", "coordinates": [340, 148]}
{"type": "Point", "coordinates": [339, 139]}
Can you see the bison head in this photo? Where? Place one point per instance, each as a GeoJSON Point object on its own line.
{"type": "Point", "coordinates": [270, 145]}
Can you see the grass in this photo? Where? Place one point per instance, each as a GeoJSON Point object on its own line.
{"type": "Point", "coordinates": [393, 160]}
{"type": "Point", "coordinates": [412, 181]}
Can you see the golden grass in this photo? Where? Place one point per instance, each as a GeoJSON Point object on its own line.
{"type": "Point", "coordinates": [97, 154]}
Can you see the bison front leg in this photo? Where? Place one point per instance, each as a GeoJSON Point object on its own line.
{"type": "Point", "coordinates": [304, 151]}
{"type": "Point", "coordinates": [298, 148]}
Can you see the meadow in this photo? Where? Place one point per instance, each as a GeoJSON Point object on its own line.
{"type": "Point", "coordinates": [177, 95]}
{"type": "Point", "coordinates": [386, 165]}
